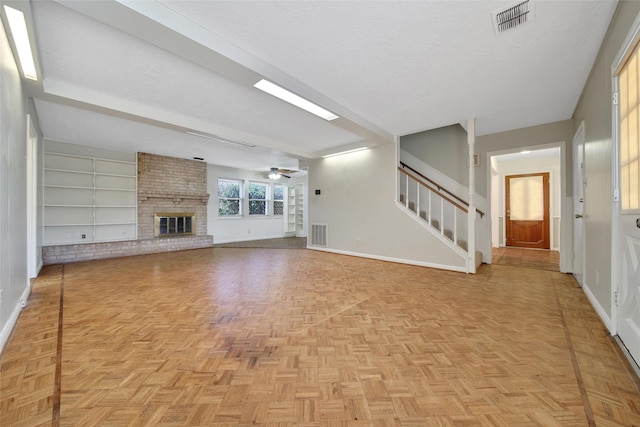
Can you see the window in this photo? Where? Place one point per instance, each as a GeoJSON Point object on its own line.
{"type": "Point", "coordinates": [229, 197]}
{"type": "Point", "coordinates": [629, 134]}
{"type": "Point", "coordinates": [258, 195]}
{"type": "Point", "coordinates": [278, 199]}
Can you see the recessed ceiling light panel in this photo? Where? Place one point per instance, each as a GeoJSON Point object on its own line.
{"type": "Point", "coordinates": [20, 35]}
{"type": "Point", "coordinates": [283, 94]}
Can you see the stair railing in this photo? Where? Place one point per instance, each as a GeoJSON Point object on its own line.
{"type": "Point", "coordinates": [440, 188]}
{"type": "Point", "coordinates": [434, 207]}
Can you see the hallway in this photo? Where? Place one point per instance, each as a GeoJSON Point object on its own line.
{"type": "Point", "coordinates": [527, 258]}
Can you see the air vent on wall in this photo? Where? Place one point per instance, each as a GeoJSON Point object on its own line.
{"type": "Point", "coordinates": [513, 16]}
{"type": "Point", "coordinates": [318, 235]}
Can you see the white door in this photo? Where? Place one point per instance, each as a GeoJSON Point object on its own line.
{"type": "Point", "coordinates": [578, 204]}
{"type": "Point", "coordinates": [627, 250]}
{"type": "Point", "coordinates": [629, 291]}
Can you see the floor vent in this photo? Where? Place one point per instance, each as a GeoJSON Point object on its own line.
{"type": "Point", "coordinates": [318, 235]}
{"type": "Point", "coordinates": [513, 16]}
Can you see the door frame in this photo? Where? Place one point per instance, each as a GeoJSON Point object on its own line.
{"type": "Point", "coordinates": [565, 233]}
{"type": "Point", "coordinates": [578, 223]}
{"type": "Point", "coordinates": [616, 229]}
{"type": "Point", "coordinates": [33, 260]}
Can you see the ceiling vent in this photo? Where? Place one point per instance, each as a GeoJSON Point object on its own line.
{"type": "Point", "coordinates": [513, 16]}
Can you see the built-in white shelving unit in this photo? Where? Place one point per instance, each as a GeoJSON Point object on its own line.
{"type": "Point", "coordinates": [299, 210]}
{"type": "Point", "coordinates": [89, 199]}
{"type": "Point", "coordinates": [290, 211]}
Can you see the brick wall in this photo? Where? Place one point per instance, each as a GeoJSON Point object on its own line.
{"type": "Point", "coordinates": [61, 254]}
{"type": "Point", "coordinates": [172, 175]}
{"type": "Point", "coordinates": [165, 184]}
{"type": "Point", "coordinates": [170, 185]}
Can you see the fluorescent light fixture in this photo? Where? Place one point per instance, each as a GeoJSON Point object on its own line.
{"type": "Point", "coordinates": [20, 36]}
{"type": "Point", "coordinates": [345, 152]}
{"type": "Point", "coordinates": [217, 138]}
{"type": "Point", "coordinates": [525, 152]}
{"type": "Point", "coordinates": [292, 98]}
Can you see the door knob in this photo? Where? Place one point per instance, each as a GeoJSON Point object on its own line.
{"type": "Point", "coordinates": [578, 215]}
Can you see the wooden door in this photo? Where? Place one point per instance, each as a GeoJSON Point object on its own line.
{"type": "Point", "coordinates": [527, 210]}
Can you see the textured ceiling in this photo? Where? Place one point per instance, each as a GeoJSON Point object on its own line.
{"type": "Point", "coordinates": [137, 75]}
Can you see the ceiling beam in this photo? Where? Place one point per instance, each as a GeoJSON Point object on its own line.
{"type": "Point", "coordinates": [159, 25]}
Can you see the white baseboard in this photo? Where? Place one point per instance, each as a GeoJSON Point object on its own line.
{"type": "Point", "coordinates": [279, 236]}
{"type": "Point", "coordinates": [13, 319]}
{"type": "Point", "coordinates": [608, 323]}
{"type": "Point", "coordinates": [391, 259]}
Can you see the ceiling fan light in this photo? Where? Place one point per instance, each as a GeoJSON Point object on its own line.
{"type": "Point", "coordinates": [274, 174]}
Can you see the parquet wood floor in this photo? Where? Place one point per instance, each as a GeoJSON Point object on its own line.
{"type": "Point", "coordinates": [257, 337]}
{"type": "Point", "coordinates": [529, 258]}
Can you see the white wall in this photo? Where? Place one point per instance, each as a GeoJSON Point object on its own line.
{"type": "Point", "coordinates": [247, 227]}
{"type": "Point", "coordinates": [14, 281]}
{"type": "Point", "coordinates": [357, 203]}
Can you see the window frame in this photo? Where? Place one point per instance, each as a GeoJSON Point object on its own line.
{"type": "Point", "coordinates": [276, 185]}
{"type": "Point", "coordinates": [629, 50]}
{"type": "Point", "coordinates": [239, 199]}
{"type": "Point", "coordinates": [266, 200]}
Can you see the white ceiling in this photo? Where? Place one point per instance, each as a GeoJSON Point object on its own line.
{"type": "Point", "coordinates": [131, 75]}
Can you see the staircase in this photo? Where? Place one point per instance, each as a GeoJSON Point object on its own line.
{"type": "Point", "coordinates": [438, 210]}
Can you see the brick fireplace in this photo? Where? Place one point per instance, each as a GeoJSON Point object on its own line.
{"type": "Point", "coordinates": [169, 188]}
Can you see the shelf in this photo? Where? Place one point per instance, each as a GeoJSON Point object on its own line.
{"type": "Point", "coordinates": [70, 225]}
{"type": "Point", "coordinates": [68, 206]}
{"type": "Point", "coordinates": [68, 186]}
{"type": "Point", "coordinates": [89, 196]}
{"type": "Point", "coordinates": [68, 171]}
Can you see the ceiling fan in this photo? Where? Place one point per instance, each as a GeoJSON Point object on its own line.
{"type": "Point", "coordinates": [276, 173]}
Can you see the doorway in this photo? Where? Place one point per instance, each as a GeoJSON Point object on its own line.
{"type": "Point", "coordinates": [33, 255]}
{"type": "Point", "coordinates": [524, 160]}
{"type": "Point", "coordinates": [578, 204]}
{"type": "Point", "coordinates": [527, 210]}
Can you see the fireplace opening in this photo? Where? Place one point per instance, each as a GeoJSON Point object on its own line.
{"type": "Point", "coordinates": [174, 224]}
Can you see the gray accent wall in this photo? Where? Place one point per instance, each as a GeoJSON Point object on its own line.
{"type": "Point", "coordinates": [595, 108]}
{"type": "Point", "coordinates": [520, 138]}
{"type": "Point", "coordinates": [445, 149]}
